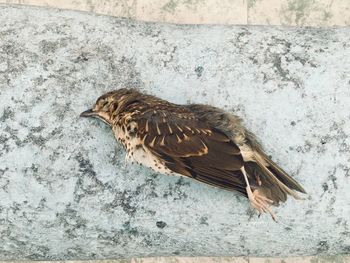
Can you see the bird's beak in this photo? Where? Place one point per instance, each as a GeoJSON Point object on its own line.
{"type": "Point", "coordinates": [88, 113]}
{"type": "Point", "coordinates": [103, 116]}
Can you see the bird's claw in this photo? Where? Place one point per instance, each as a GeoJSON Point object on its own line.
{"type": "Point", "coordinates": [260, 203]}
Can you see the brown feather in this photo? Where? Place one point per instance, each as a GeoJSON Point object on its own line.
{"type": "Point", "coordinates": [192, 148]}
{"type": "Point", "coordinates": [198, 141]}
{"type": "Point", "coordinates": [276, 183]}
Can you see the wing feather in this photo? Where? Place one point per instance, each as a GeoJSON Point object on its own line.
{"type": "Point", "coordinates": [192, 148]}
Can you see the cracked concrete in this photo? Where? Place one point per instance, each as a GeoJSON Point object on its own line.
{"type": "Point", "coordinates": [64, 192]}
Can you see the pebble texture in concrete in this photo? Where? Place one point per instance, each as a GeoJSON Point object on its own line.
{"type": "Point", "coordinates": [64, 190]}
{"type": "Point", "coordinates": [310, 259]}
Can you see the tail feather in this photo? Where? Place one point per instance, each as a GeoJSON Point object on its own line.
{"type": "Point", "coordinates": [285, 178]}
{"type": "Point", "coordinates": [280, 174]}
{"type": "Point", "coordinates": [275, 181]}
{"type": "Point", "coordinates": [284, 187]}
{"type": "Point", "coordinates": [269, 186]}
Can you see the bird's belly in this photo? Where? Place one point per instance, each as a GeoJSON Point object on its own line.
{"type": "Point", "coordinates": [146, 158]}
{"type": "Point", "coordinates": [136, 152]}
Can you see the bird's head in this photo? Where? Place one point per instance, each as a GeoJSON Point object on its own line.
{"type": "Point", "coordinates": [109, 105]}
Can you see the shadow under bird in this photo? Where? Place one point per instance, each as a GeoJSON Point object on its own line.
{"type": "Point", "coordinates": [197, 141]}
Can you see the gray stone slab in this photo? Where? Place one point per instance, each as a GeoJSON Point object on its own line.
{"type": "Point", "coordinates": [64, 191]}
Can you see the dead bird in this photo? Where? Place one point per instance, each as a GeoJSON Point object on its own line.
{"type": "Point", "coordinates": [198, 141]}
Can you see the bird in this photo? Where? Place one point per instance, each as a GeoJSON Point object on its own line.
{"type": "Point", "coordinates": [198, 141]}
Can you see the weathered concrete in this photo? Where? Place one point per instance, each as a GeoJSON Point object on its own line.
{"type": "Point", "coordinates": [64, 192]}
{"type": "Point", "coordinates": [310, 259]}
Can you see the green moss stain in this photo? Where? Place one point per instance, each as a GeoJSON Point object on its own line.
{"type": "Point", "coordinates": [170, 6]}
{"type": "Point", "coordinates": [326, 15]}
{"type": "Point", "coordinates": [302, 12]}
{"type": "Point", "coordinates": [297, 10]}
{"type": "Point", "coordinates": [251, 3]}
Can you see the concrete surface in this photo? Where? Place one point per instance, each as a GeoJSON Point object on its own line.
{"type": "Point", "coordinates": [253, 12]}
{"type": "Point", "coordinates": [317, 13]}
{"type": "Point", "coordinates": [313, 259]}
{"type": "Point", "coordinates": [64, 192]}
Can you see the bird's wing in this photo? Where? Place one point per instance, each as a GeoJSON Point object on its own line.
{"type": "Point", "coordinates": [269, 177]}
{"type": "Point", "coordinates": [192, 148]}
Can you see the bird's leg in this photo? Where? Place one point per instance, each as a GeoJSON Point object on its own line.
{"type": "Point", "coordinates": [258, 200]}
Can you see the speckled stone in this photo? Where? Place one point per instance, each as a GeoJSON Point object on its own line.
{"type": "Point", "coordinates": [64, 190]}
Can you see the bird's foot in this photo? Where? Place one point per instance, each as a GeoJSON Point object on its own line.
{"type": "Point", "coordinates": [260, 202]}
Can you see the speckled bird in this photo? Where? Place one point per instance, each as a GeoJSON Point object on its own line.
{"type": "Point", "coordinates": [201, 142]}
